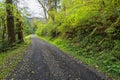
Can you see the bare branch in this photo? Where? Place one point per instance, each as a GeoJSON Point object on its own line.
{"type": "Point", "coordinates": [44, 8]}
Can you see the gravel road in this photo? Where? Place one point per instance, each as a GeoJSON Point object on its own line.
{"type": "Point", "coordinates": [44, 61]}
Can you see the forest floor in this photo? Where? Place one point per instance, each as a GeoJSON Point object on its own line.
{"type": "Point", "coordinates": [46, 62]}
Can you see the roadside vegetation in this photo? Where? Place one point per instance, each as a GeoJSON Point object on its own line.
{"type": "Point", "coordinates": [10, 58]}
{"type": "Point", "coordinates": [88, 30]}
{"type": "Point", "coordinates": [13, 30]}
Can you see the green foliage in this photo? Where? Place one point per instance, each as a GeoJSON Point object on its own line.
{"type": "Point", "coordinates": [116, 49]}
{"type": "Point", "coordinates": [3, 24]}
{"type": "Point", "coordinates": [47, 29]}
{"type": "Point", "coordinates": [90, 31]}
{"type": "Point", "coordinates": [86, 51]}
{"type": "Point", "coordinates": [10, 59]}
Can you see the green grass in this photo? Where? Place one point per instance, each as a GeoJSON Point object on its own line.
{"type": "Point", "coordinates": [103, 61]}
{"type": "Point", "coordinates": [10, 59]}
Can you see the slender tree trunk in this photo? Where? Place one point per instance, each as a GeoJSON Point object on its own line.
{"type": "Point", "coordinates": [19, 27]}
{"type": "Point", "coordinates": [20, 30]}
{"type": "Point", "coordinates": [3, 35]}
{"type": "Point", "coordinates": [4, 30]}
{"type": "Point", "coordinates": [51, 8]}
{"type": "Point", "coordinates": [56, 5]}
{"type": "Point", "coordinates": [10, 22]}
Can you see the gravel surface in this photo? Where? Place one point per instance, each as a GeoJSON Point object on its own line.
{"type": "Point", "coordinates": [46, 62]}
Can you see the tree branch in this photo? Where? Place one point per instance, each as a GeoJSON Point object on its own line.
{"type": "Point", "coordinates": [44, 9]}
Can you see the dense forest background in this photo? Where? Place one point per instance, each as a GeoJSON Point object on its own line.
{"type": "Point", "coordinates": [87, 29]}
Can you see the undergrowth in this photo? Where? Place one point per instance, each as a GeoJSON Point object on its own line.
{"type": "Point", "coordinates": [89, 30]}
{"type": "Point", "coordinates": [10, 58]}
{"type": "Point", "coordinates": [104, 61]}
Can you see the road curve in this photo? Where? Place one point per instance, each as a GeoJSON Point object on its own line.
{"type": "Point", "coordinates": [44, 61]}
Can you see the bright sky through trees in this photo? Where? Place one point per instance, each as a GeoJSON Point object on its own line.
{"type": "Point", "coordinates": [33, 8]}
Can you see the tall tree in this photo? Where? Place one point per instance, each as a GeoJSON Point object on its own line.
{"type": "Point", "coordinates": [19, 30]}
{"type": "Point", "coordinates": [19, 23]}
{"type": "Point", "coordinates": [10, 22]}
{"type": "Point", "coordinates": [49, 7]}
{"type": "Point", "coordinates": [44, 8]}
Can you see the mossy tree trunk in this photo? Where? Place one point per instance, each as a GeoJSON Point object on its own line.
{"type": "Point", "coordinates": [19, 30]}
{"type": "Point", "coordinates": [10, 22]}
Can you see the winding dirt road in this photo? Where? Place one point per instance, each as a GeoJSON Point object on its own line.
{"type": "Point", "coordinates": [46, 62]}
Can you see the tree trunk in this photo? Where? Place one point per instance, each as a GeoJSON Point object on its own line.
{"type": "Point", "coordinates": [10, 22]}
{"type": "Point", "coordinates": [44, 9]}
{"type": "Point", "coordinates": [4, 30]}
{"type": "Point", "coordinates": [19, 31]}
{"type": "Point", "coordinates": [51, 9]}
{"type": "Point", "coordinates": [3, 35]}
{"type": "Point", "coordinates": [55, 1]}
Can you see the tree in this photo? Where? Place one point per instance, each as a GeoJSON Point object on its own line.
{"type": "Point", "coordinates": [44, 9]}
{"type": "Point", "coordinates": [19, 22]}
{"type": "Point", "coordinates": [10, 22]}
{"type": "Point", "coordinates": [19, 29]}
{"type": "Point", "coordinates": [49, 8]}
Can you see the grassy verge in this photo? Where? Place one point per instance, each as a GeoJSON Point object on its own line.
{"type": "Point", "coordinates": [10, 59]}
{"type": "Point", "coordinates": [102, 61]}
